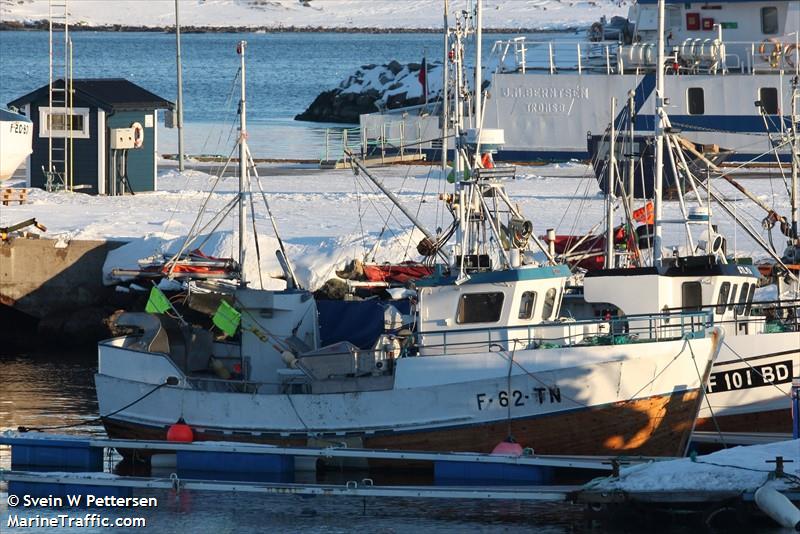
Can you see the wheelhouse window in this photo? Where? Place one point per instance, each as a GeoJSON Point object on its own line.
{"type": "Point", "coordinates": [732, 302]}
{"type": "Point", "coordinates": [742, 305]}
{"type": "Point", "coordinates": [55, 122]}
{"type": "Point", "coordinates": [479, 308]}
{"type": "Point", "coordinates": [769, 20]}
{"type": "Point", "coordinates": [722, 300]}
{"type": "Point", "coordinates": [696, 101]}
{"type": "Point", "coordinates": [549, 303]}
{"type": "Point", "coordinates": [527, 304]}
{"type": "Point", "coordinates": [750, 299]}
{"type": "Point", "coordinates": [692, 293]}
{"type": "Point", "coordinates": [768, 96]}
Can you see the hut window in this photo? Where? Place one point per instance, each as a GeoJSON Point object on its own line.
{"type": "Point", "coordinates": [768, 96]}
{"type": "Point", "coordinates": [526, 305]}
{"type": "Point", "coordinates": [696, 101]}
{"type": "Point", "coordinates": [549, 303]}
{"type": "Point", "coordinates": [769, 20]}
{"type": "Point", "coordinates": [692, 295]}
{"type": "Point", "coordinates": [480, 308]}
{"type": "Point", "coordinates": [56, 123]}
{"type": "Point", "coordinates": [740, 307]}
{"type": "Point", "coordinates": [722, 300]}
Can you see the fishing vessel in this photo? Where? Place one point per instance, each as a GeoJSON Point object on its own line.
{"type": "Point", "coordinates": [16, 135]}
{"type": "Point", "coordinates": [729, 62]}
{"type": "Point", "coordinates": [749, 388]}
{"type": "Point", "coordinates": [483, 356]}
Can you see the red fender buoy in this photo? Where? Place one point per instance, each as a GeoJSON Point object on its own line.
{"type": "Point", "coordinates": [508, 448]}
{"type": "Point", "coordinates": [180, 432]}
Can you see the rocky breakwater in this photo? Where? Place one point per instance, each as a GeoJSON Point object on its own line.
{"type": "Point", "coordinates": [373, 88]}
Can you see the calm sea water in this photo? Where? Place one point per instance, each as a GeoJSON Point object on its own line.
{"type": "Point", "coordinates": [286, 71]}
{"type": "Point", "coordinates": [57, 389]}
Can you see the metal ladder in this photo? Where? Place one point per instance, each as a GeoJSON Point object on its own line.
{"type": "Point", "coordinates": [59, 116]}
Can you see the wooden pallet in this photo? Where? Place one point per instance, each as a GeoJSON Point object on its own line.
{"type": "Point", "coordinates": [9, 195]}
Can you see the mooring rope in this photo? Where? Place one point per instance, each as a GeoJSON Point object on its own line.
{"type": "Point", "coordinates": [168, 382]}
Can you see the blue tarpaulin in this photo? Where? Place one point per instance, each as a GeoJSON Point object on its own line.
{"type": "Point", "coordinates": [360, 322]}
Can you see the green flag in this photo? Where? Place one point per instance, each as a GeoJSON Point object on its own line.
{"type": "Point", "coordinates": [158, 302]}
{"type": "Point", "coordinates": [227, 318]}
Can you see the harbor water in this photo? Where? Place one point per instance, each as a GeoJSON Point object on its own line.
{"type": "Point", "coordinates": [54, 389]}
{"type": "Point", "coordinates": [286, 71]}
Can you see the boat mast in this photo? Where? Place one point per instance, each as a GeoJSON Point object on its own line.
{"type": "Point", "coordinates": [478, 73]}
{"type": "Point", "coordinates": [243, 169]}
{"type": "Point", "coordinates": [445, 100]}
{"type": "Point", "coordinates": [631, 140]}
{"type": "Point", "coordinates": [457, 118]}
{"type": "Point", "coordinates": [659, 135]}
{"type": "Point", "coordinates": [793, 243]}
{"type": "Point", "coordinates": [612, 184]}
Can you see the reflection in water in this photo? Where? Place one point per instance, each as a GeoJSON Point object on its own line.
{"type": "Point", "coordinates": [44, 390]}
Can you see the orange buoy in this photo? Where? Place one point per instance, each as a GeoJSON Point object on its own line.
{"type": "Point", "coordinates": [180, 432]}
{"type": "Point", "coordinates": [508, 447]}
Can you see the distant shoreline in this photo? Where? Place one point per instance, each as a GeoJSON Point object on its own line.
{"type": "Point", "coordinates": [43, 25]}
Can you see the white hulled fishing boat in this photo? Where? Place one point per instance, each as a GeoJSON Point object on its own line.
{"type": "Point", "coordinates": [16, 134]}
{"type": "Point", "coordinates": [749, 388]}
{"type": "Point", "coordinates": [481, 356]}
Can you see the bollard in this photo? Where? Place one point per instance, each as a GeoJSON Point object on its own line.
{"type": "Point", "coordinates": [796, 408]}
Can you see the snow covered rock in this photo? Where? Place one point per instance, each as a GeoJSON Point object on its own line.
{"type": "Point", "coordinates": [372, 88]}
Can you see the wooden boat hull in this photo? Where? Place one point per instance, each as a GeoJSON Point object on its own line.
{"type": "Point", "coordinates": [614, 399]}
{"type": "Point", "coordinates": [655, 426]}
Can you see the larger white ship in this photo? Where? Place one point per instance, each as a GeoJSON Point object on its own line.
{"type": "Point", "coordinates": [729, 66]}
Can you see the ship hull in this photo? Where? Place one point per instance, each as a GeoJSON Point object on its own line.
{"type": "Point", "coordinates": [623, 399]}
{"type": "Point", "coordinates": [654, 426]}
{"type": "Point", "coordinates": [16, 134]}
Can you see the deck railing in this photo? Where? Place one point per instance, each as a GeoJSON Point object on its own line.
{"type": "Point", "coordinates": [613, 331]}
{"type": "Point", "coordinates": [690, 56]}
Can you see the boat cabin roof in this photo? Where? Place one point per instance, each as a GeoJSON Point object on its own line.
{"type": "Point", "coordinates": [491, 277]}
{"type": "Point", "coordinates": [689, 266]}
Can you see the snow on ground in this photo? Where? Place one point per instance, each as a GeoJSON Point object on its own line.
{"type": "Point", "coordinates": [736, 469]}
{"type": "Point", "coordinates": [539, 14]}
{"type": "Point", "coordinates": [327, 217]}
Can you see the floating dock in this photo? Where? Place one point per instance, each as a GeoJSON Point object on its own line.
{"type": "Point", "coordinates": [50, 465]}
